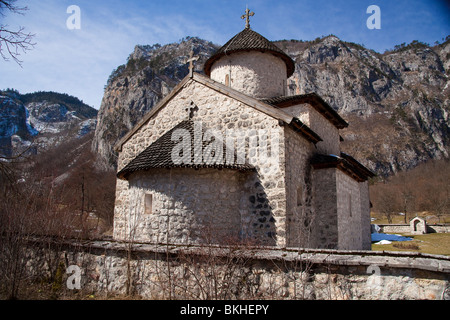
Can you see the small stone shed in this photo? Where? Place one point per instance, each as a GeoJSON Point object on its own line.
{"type": "Point", "coordinates": [418, 226]}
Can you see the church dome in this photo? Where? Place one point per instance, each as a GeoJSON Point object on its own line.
{"type": "Point", "coordinates": [246, 41]}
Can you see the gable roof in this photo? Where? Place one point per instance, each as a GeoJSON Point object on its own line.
{"type": "Point", "coordinates": [344, 162]}
{"type": "Point", "coordinates": [314, 100]}
{"type": "Point", "coordinates": [259, 105]}
{"type": "Point", "coordinates": [249, 40]}
{"type": "Point", "coordinates": [159, 154]}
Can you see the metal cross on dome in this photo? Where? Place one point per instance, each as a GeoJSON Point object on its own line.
{"type": "Point", "coordinates": [247, 16]}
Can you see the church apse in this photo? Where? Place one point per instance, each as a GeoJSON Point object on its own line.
{"type": "Point", "coordinates": [199, 185]}
{"type": "Point", "coordinates": [189, 205]}
{"type": "Point", "coordinates": [204, 206]}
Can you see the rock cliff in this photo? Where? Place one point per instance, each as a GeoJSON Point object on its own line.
{"type": "Point", "coordinates": [397, 103]}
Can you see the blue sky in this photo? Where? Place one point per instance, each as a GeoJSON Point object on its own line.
{"type": "Point", "coordinates": [78, 62]}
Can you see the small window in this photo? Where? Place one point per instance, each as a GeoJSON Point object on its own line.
{"type": "Point", "coordinates": [148, 203]}
{"type": "Point", "coordinates": [227, 80]}
{"type": "Point", "coordinates": [350, 204]}
{"type": "Point", "coordinates": [299, 196]}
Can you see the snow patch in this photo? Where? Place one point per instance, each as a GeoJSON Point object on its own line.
{"type": "Point", "coordinates": [30, 128]}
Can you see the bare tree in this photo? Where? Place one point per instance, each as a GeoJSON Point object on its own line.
{"type": "Point", "coordinates": [40, 198]}
{"type": "Point", "coordinates": [425, 188]}
{"type": "Point", "coordinates": [386, 199]}
{"type": "Point", "coordinates": [437, 190]}
{"type": "Point", "coordinates": [13, 42]}
{"type": "Point", "coordinates": [405, 186]}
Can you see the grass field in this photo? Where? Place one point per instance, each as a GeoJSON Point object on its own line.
{"type": "Point", "coordinates": [398, 219]}
{"type": "Point", "coordinates": [433, 243]}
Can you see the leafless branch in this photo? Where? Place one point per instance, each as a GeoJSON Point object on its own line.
{"type": "Point", "coordinates": [13, 43]}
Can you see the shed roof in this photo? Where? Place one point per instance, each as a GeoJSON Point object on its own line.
{"type": "Point", "coordinates": [344, 162]}
{"type": "Point", "coordinates": [249, 40]}
{"type": "Point", "coordinates": [314, 100]}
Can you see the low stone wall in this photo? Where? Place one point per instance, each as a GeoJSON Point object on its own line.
{"type": "Point", "coordinates": [438, 228]}
{"type": "Point", "coordinates": [406, 228]}
{"type": "Point", "coordinates": [214, 272]}
{"type": "Point", "coordinates": [394, 228]}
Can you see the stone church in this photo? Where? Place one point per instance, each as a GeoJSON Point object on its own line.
{"type": "Point", "coordinates": [228, 156]}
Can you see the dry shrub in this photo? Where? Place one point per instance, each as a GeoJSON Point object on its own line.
{"type": "Point", "coordinates": [406, 245]}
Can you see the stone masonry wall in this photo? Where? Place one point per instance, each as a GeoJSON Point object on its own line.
{"type": "Point", "coordinates": [349, 212]}
{"type": "Point", "coordinates": [188, 205]}
{"type": "Point", "coordinates": [366, 239]}
{"type": "Point", "coordinates": [300, 213]}
{"type": "Point", "coordinates": [259, 75]}
{"type": "Point", "coordinates": [320, 125]}
{"type": "Point", "coordinates": [233, 118]}
{"type": "Point", "coordinates": [406, 228]}
{"type": "Point", "coordinates": [342, 211]}
{"type": "Point", "coordinates": [324, 228]}
{"type": "Point", "coordinates": [212, 272]}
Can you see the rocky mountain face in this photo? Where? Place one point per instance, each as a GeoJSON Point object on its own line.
{"type": "Point", "coordinates": [397, 103]}
{"type": "Point", "coordinates": [36, 121]}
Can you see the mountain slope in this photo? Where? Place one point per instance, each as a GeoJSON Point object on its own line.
{"type": "Point", "coordinates": [41, 119]}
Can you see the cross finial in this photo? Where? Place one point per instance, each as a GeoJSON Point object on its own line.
{"type": "Point", "coordinates": [247, 16]}
{"type": "Point", "coordinates": [191, 64]}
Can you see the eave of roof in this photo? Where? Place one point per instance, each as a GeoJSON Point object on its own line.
{"type": "Point", "coordinates": [345, 163]}
{"type": "Point", "coordinates": [305, 131]}
{"type": "Point", "coordinates": [249, 40]}
{"type": "Point", "coordinates": [355, 163]}
{"type": "Point", "coordinates": [314, 100]}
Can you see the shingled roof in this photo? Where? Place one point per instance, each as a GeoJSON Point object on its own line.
{"type": "Point", "coordinates": [159, 154]}
{"type": "Point", "coordinates": [314, 100]}
{"type": "Point", "coordinates": [249, 40]}
{"type": "Point", "coordinates": [344, 162]}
